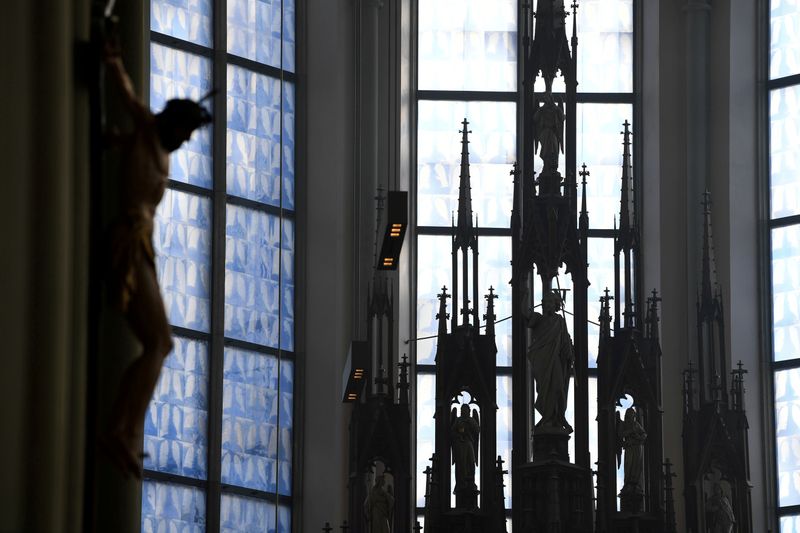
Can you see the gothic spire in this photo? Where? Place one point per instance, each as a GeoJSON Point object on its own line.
{"type": "Point", "coordinates": [464, 230]}
{"type": "Point", "coordinates": [626, 211]}
{"type": "Point", "coordinates": [708, 280]}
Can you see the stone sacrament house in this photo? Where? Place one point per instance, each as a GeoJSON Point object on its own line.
{"type": "Point", "coordinates": [332, 366]}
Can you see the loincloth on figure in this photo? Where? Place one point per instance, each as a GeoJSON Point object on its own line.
{"type": "Point", "coordinates": [131, 249]}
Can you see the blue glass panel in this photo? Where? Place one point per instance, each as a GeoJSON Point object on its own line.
{"type": "Point", "coordinates": [177, 74]}
{"type": "Point", "coordinates": [189, 20]}
{"type": "Point", "coordinates": [284, 519]}
{"type": "Point", "coordinates": [240, 514]}
{"type": "Point", "coordinates": [468, 45]}
{"type": "Point", "coordinates": [605, 46]}
{"type": "Point", "coordinates": [784, 151]}
{"type": "Point", "coordinates": [254, 30]}
{"type": "Point", "coordinates": [288, 145]}
{"type": "Point", "coordinates": [287, 285]}
{"type": "Point", "coordinates": [285, 424]}
{"type": "Point", "coordinates": [182, 242]}
{"type": "Point", "coordinates": [784, 45]}
{"type": "Point", "coordinates": [176, 423]}
{"type": "Point", "coordinates": [600, 254]}
{"type": "Point", "coordinates": [426, 429]}
{"type": "Point", "coordinates": [172, 507]}
{"type": "Point", "coordinates": [492, 152]}
{"type": "Point", "coordinates": [790, 524]}
{"type": "Point", "coordinates": [787, 435]}
{"type": "Point", "coordinates": [250, 420]}
{"type": "Point", "coordinates": [289, 35]}
{"type": "Point", "coordinates": [253, 144]}
{"type": "Point", "coordinates": [252, 276]}
{"type": "Point", "coordinates": [504, 425]}
{"type": "Point", "coordinates": [600, 148]}
{"type": "Point", "coordinates": [786, 293]}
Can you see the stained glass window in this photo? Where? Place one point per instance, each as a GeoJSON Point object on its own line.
{"type": "Point", "coordinates": [784, 258]}
{"type": "Point", "coordinates": [221, 420]}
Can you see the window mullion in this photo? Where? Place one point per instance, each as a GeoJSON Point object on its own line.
{"type": "Point", "coordinates": [217, 348]}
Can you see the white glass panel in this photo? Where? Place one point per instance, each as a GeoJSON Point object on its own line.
{"type": "Point", "coordinates": [787, 435]}
{"type": "Point", "coordinates": [504, 425]}
{"type": "Point", "coordinates": [601, 276]}
{"type": "Point", "coordinates": [790, 524]}
{"type": "Point", "coordinates": [786, 293]}
{"type": "Point", "coordinates": [600, 148]}
{"type": "Point", "coordinates": [784, 32]}
{"type": "Point", "coordinates": [784, 151]}
{"type": "Point", "coordinates": [492, 151]}
{"type": "Point", "coordinates": [468, 45]}
{"type": "Point", "coordinates": [426, 430]}
{"type": "Point", "coordinates": [605, 46]}
{"type": "Point", "coordinates": [434, 270]}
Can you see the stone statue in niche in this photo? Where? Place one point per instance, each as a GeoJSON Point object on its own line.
{"type": "Point", "coordinates": [552, 359]}
{"type": "Point", "coordinates": [548, 123]}
{"type": "Point", "coordinates": [465, 432]}
{"type": "Point", "coordinates": [378, 506]}
{"type": "Point", "coordinates": [133, 287]}
{"type": "Point", "coordinates": [632, 437]}
{"type": "Point", "coordinates": [719, 513]}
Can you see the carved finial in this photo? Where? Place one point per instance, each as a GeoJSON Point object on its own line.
{"type": "Point", "coordinates": [344, 527]}
{"type": "Point", "coordinates": [417, 528]}
{"type": "Point", "coordinates": [327, 528]}
{"type": "Point", "coordinates": [464, 229]}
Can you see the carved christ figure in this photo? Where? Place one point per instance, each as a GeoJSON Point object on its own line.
{"type": "Point", "coordinates": [551, 358]}
{"type": "Point", "coordinates": [133, 285]}
{"type": "Point", "coordinates": [378, 507]}
{"type": "Point", "coordinates": [465, 433]}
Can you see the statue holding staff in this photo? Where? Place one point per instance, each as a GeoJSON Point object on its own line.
{"type": "Point", "coordinates": [551, 358]}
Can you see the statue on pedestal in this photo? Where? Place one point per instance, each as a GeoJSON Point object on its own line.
{"type": "Point", "coordinates": [378, 507]}
{"type": "Point", "coordinates": [465, 434]}
{"type": "Point", "coordinates": [548, 123]}
{"type": "Point", "coordinates": [720, 517]}
{"type": "Point", "coordinates": [551, 357]}
{"type": "Point", "coordinates": [632, 436]}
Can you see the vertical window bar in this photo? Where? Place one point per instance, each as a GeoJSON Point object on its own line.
{"type": "Point", "coordinates": [217, 348]}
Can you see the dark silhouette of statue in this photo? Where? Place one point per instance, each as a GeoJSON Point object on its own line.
{"type": "Point", "coordinates": [720, 517]}
{"type": "Point", "coordinates": [465, 434]}
{"type": "Point", "coordinates": [632, 436]}
{"type": "Point", "coordinates": [551, 358]}
{"type": "Point", "coordinates": [548, 123]}
{"type": "Point", "coordinates": [378, 507]}
{"type": "Point", "coordinates": [133, 286]}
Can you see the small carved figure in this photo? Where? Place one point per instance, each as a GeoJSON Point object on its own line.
{"type": "Point", "coordinates": [719, 512]}
{"type": "Point", "coordinates": [632, 437]}
{"type": "Point", "coordinates": [378, 507]}
{"type": "Point", "coordinates": [134, 285]}
{"type": "Point", "coordinates": [465, 434]}
{"type": "Point", "coordinates": [548, 123]}
{"type": "Point", "coordinates": [551, 356]}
